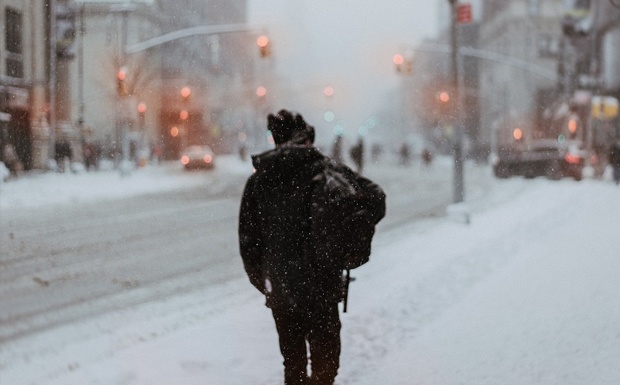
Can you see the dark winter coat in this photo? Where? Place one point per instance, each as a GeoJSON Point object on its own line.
{"type": "Point", "coordinates": [275, 230]}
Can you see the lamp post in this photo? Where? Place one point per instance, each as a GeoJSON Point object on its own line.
{"type": "Point", "coordinates": [458, 130]}
{"type": "Point", "coordinates": [52, 84]}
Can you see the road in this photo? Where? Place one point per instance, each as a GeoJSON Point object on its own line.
{"type": "Point", "coordinates": [64, 264]}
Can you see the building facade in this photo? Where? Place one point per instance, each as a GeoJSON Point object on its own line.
{"type": "Point", "coordinates": [23, 80]}
{"type": "Point", "coordinates": [513, 97]}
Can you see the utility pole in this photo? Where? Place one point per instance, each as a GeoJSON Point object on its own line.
{"type": "Point", "coordinates": [459, 193]}
{"type": "Point", "coordinates": [52, 83]}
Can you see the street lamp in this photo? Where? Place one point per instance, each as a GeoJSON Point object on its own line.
{"type": "Point", "coordinates": [459, 193]}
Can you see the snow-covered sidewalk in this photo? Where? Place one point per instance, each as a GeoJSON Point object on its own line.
{"type": "Point", "coordinates": [528, 293]}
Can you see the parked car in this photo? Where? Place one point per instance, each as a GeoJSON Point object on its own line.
{"type": "Point", "coordinates": [194, 157]}
{"type": "Point", "coordinates": [543, 157]}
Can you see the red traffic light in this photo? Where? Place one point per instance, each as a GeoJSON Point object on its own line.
{"type": "Point", "coordinates": [399, 59]}
{"type": "Point", "coordinates": [186, 92]}
{"type": "Point", "coordinates": [444, 97]}
{"type": "Point", "coordinates": [517, 133]}
{"type": "Point", "coordinates": [263, 45]}
{"type": "Point", "coordinates": [121, 74]}
{"type": "Point", "coordinates": [262, 41]}
{"type": "Point", "coordinates": [141, 108]}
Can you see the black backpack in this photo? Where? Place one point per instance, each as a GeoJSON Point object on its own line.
{"type": "Point", "coordinates": [346, 207]}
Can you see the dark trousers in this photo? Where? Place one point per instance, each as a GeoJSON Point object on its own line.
{"type": "Point", "coordinates": [320, 327]}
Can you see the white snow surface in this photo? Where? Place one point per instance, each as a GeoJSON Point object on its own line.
{"type": "Point", "coordinates": [527, 293]}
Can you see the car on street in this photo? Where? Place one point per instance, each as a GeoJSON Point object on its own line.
{"type": "Point", "coordinates": [197, 157]}
{"type": "Point", "coordinates": [543, 157]}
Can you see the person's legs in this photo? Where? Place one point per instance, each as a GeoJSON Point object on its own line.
{"type": "Point", "coordinates": [292, 336]}
{"type": "Point", "coordinates": [617, 174]}
{"type": "Point", "coordinates": [324, 340]}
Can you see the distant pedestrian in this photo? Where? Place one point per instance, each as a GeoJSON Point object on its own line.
{"type": "Point", "coordinates": [11, 160]}
{"type": "Point", "coordinates": [357, 155]}
{"type": "Point", "coordinates": [375, 152]}
{"type": "Point", "coordinates": [614, 160]}
{"type": "Point", "coordinates": [427, 157]}
{"type": "Point", "coordinates": [64, 155]}
{"type": "Point", "coordinates": [337, 149]}
{"type": "Point", "coordinates": [404, 154]}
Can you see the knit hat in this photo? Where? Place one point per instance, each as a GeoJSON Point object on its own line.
{"type": "Point", "coordinates": [288, 128]}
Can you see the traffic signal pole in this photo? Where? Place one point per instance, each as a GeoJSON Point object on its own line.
{"type": "Point", "coordinates": [52, 84]}
{"type": "Point", "coordinates": [458, 189]}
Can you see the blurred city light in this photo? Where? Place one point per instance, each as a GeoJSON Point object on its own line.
{"type": "Point", "coordinates": [174, 131]}
{"type": "Point", "coordinates": [186, 92]}
{"type": "Point", "coordinates": [328, 91]}
{"type": "Point", "coordinates": [572, 126]}
{"type": "Point", "coordinates": [338, 130]}
{"type": "Point", "coordinates": [444, 96]}
{"type": "Point", "coordinates": [242, 136]}
{"type": "Point", "coordinates": [517, 133]}
{"type": "Point", "coordinates": [183, 115]}
{"type": "Point", "coordinates": [141, 108]}
{"type": "Point", "coordinates": [262, 41]}
{"type": "Point", "coordinates": [261, 91]}
{"type": "Point", "coordinates": [329, 116]}
{"type": "Point", "coordinates": [121, 74]}
{"type": "Point", "coordinates": [363, 131]}
{"type": "Point", "coordinates": [399, 59]}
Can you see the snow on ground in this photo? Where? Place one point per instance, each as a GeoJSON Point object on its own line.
{"type": "Point", "coordinates": [36, 190]}
{"type": "Point", "coordinates": [527, 293]}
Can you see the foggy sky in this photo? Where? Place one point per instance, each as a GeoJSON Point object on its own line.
{"type": "Point", "coordinates": [348, 44]}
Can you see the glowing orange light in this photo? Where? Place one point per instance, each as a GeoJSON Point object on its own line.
{"type": "Point", "coordinates": [398, 59]}
{"type": "Point", "coordinates": [328, 91]}
{"type": "Point", "coordinates": [207, 158]}
{"type": "Point", "coordinates": [186, 92]}
{"type": "Point", "coordinates": [262, 41]}
{"type": "Point", "coordinates": [185, 159]}
{"type": "Point", "coordinates": [572, 126]}
{"type": "Point", "coordinates": [174, 131]}
{"type": "Point", "coordinates": [261, 91]}
{"type": "Point", "coordinates": [570, 158]}
{"type": "Point", "coordinates": [183, 115]}
{"type": "Point", "coordinates": [517, 133]}
{"type": "Point", "coordinates": [444, 97]}
{"type": "Point", "coordinates": [141, 108]}
{"type": "Point", "coordinates": [121, 74]}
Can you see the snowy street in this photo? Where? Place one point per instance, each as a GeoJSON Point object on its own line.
{"type": "Point", "coordinates": [138, 280]}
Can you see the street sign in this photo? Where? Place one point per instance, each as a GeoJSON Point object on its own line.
{"type": "Point", "coordinates": [464, 13]}
{"type": "Point", "coordinates": [604, 107]}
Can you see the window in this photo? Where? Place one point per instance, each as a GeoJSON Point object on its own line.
{"type": "Point", "coordinates": [13, 43]}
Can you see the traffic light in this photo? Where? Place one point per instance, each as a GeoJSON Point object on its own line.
{"type": "Point", "coordinates": [263, 46]}
{"type": "Point", "coordinates": [398, 61]}
{"type": "Point", "coordinates": [517, 133]}
{"type": "Point", "coordinates": [572, 128]}
{"type": "Point", "coordinates": [185, 93]}
{"type": "Point", "coordinates": [444, 97]}
{"type": "Point", "coordinates": [141, 113]}
{"type": "Point", "coordinates": [121, 85]}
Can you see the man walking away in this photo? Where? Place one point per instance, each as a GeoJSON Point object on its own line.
{"type": "Point", "coordinates": [614, 160]}
{"type": "Point", "coordinates": [276, 245]}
